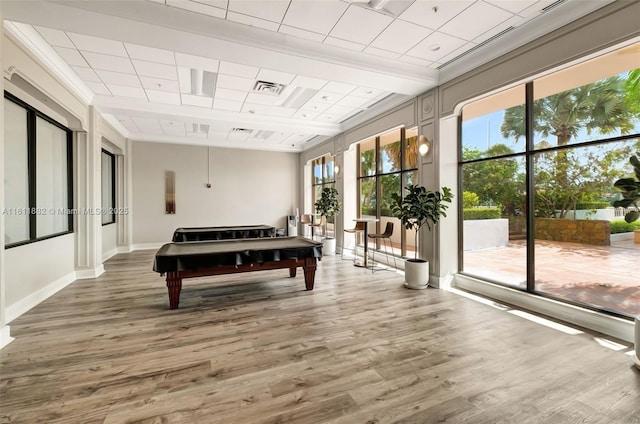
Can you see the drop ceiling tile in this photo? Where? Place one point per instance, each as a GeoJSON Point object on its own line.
{"type": "Point", "coordinates": [166, 123]}
{"type": "Point", "coordinates": [193, 100]}
{"type": "Point", "coordinates": [353, 101]}
{"type": "Point", "coordinates": [268, 110]}
{"type": "Point", "coordinates": [369, 92]}
{"type": "Point", "coordinates": [400, 36]}
{"type": "Point", "coordinates": [225, 104]}
{"type": "Point", "coordinates": [306, 114]}
{"type": "Point", "coordinates": [382, 53]}
{"type": "Point", "coordinates": [308, 82]}
{"type": "Point", "coordinates": [118, 78]}
{"type": "Point", "coordinates": [339, 110]}
{"type": "Point", "coordinates": [422, 12]}
{"type": "Point", "coordinates": [226, 94]}
{"type": "Point", "coordinates": [98, 45]}
{"type": "Point", "coordinates": [71, 56]}
{"type": "Point", "coordinates": [513, 6]}
{"type": "Point", "coordinates": [156, 70]}
{"type": "Point", "coordinates": [252, 21]}
{"type": "Point", "coordinates": [352, 27]}
{"type": "Point", "coordinates": [327, 97]}
{"type": "Point", "coordinates": [197, 7]}
{"type": "Point", "coordinates": [55, 37]}
{"type": "Point", "coordinates": [315, 107]}
{"type": "Point", "coordinates": [536, 8]}
{"type": "Point", "coordinates": [174, 130]}
{"type": "Point", "coordinates": [316, 16]}
{"type": "Point", "coordinates": [238, 70]}
{"type": "Point", "coordinates": [127, 122]}
{"type": "Point", "coordinates": [435, 46]}
{"type": "Point", "coordinates": [109, 63]}
{"type": "Point", "coordinates": [147, 124]}
{"type": "Point", "coordinates": [98, 88]}
{"type": "Point", "coordinates": [262, 99]}
{"type": "Point", "coordinates": [160, 84]}
{"type": "Point", "coordinates": [328, 117]}
{"type": "Point", "coordinates": [128, 92]}
{"type": "Point", "coordinates": [344, 44]}
{"type": "Point", "coordinates": [275, 76]}
{"type": "Point", "coordinates": [197, 62]}
{"type": "Point", "coordinates": [234, 83]}
{"type": "Point", "coordinates": [150, 54]}
{"type": "Point", "coordinates": [237, 136]}
{"type": "Point", "coordinates": [221, 4]}
{"type": "Point", "coordinates": [86, 74]}
{"type": "Point", "coordinates": [165, 97]}
{"type": "Point", "coordinates": [338, 87]}
{"type": "Point", "coordinates": [455, 53]}
{"type": "Point", "coordinates": [475, 20]}
{"type": "Point", "coordinates": [273, 10]}
{"type": "Point", "coordinates": [301, 33]}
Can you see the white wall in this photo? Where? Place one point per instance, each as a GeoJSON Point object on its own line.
{"type": "Point", "coordinates": [248, 187]}
{"type": "Point", "coordinates": [109, 241]}
{"type": "Point", "coordinates": [37, 270]}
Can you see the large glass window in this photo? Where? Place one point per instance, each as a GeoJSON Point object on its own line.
{"type": "Point", "coordinates": [323, 176]}
{"type": "Point", "coordinates": [38, 199]}
{"type": "Point", "coordinates": [108, 187]}
{"type": "Point", "coordinates": [387, 163]}
{"type": "Point", "coordinates": [547, 161]}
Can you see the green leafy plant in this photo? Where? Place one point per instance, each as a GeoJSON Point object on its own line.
{"type": "Point", "coordinates": [328, 205]}
{"type": "Point", "coordinates": [420, 207]}
{"type": "Point", "coordinates": [630, 189]}
{"type": "Point", "coordinates": [481, 213]}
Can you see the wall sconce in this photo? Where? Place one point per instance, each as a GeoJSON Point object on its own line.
{"type": "Point", "coordinates": [424, 145]}
{"type": "Point", "coordinates": [336, 169]}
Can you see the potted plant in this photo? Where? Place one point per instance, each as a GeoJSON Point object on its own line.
{"type": "Point", "coordinates": [417, 208]}
{"type": "Point", "coordinates": [328, 206]}
{"type": "Point", "coordinates": [630, 189]}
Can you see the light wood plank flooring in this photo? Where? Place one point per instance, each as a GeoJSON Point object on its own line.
{"type": "Point", "coordinates": [258, 348]}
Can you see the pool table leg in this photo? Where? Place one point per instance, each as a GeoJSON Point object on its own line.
{"type": "Point", "coordinates": [174, 285]}
{"type": "Point", "coordinates": [293, 271]}
{"type": "Point", "coordinates": [309, 272]}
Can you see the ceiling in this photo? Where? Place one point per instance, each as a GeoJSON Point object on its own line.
{"type": "Point", "coordinates": [269, 74]}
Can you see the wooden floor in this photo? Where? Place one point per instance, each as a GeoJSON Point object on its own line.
{"type": "Point", "coordinates": [258, 348]}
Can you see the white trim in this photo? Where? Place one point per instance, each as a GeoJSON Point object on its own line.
{"type": "Point", "coordinates": [90, 273]}
{"type": "Point", "coordinates": [5, 336]}
{"type": "Point", "coordinates": [612, 326]}
{"type": "Point", "coordinates": [25, 304]}
{"type": "Point", "coordinates": [124, 249]}
{"type": "Point", "coordinates": [147, 246]}
{"type": "Point", "coordinates": [108, 255]}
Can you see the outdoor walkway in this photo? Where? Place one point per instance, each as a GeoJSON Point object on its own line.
{"type": "Point", "coordinates": [603, 276]}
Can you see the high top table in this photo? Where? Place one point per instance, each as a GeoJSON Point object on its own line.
{"type": "Point", "coordinates": [366, 221]}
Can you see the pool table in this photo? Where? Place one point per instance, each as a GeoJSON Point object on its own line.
{"type": "Point", "coordinates": [223, 233]}
{"type": "Point", "coordinates": [204, 258]}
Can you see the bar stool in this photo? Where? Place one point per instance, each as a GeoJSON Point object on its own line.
{"type": "Point", "coordinates": [307, 219]}
{"type": "Point", "coordinates": [359, 228]}
{"type": "Point", "coordinates": [388, 231]}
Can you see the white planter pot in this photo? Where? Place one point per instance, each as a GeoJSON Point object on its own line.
{"type": "Point", "coordinates": [636, 358]}
{"type": "Point", "coordinates": [329, 246]}
{"type": "Point", "coordinates": [416, 274]}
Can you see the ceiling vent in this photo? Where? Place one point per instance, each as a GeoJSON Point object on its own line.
{"type": "Point", "coordinates": [552, 5]}
{"type": "Point", "coordinates": [476, 47]}
{"type": "Point", "coordinates": [241, 131]}
{"type": "Point", "coordinates": [269, 88]}
{"type": "Point", "coordinates": [263, 134]}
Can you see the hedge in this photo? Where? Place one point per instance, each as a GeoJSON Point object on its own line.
{"type": "Point", "coordinates": [481, 213]}
{"type": "Point", "coordinates": [624, 227]}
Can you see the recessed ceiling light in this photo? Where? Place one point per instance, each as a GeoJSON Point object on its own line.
{"type": "Point", "coordinates": [369, 91]}
{"type": "Point", "coordinates": [304, 115]}
{"type": "Point", "coordinates": [434, 48]}
{"type": "Point", "coordinates": [326, 98]}
{"type": "Point", "coordinates": [158, 85]}
{"type": "Point", "coordinates": [252, 111]}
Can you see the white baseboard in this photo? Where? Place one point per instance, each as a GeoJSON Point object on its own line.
{"type": "Point", "coordinates": [148, 246]}
{"type": "Point", "coordinates": [23, 305]}
{"type": "Point", "coordinates": [606, 324]}
{"type": "Point", "coordinates": [5, 336]}
{"type": "Point", "coordinates": [82, 274]}
{"type": "Point", "coordinates": [124, 249]}
{"type": "Point", "coordinates": [110, 254]}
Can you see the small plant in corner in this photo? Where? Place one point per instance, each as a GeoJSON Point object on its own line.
{"type": "Point", "coordinates": [420, 207]}
{"type": "Point", "coordinates": [630, 189]}
{"type": "Point", "coordinates": [328, 205]}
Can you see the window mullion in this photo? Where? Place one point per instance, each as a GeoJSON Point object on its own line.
{"type": "Point", "coordinates": [31, 171]}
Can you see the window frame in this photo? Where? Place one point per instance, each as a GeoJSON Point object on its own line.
{"type": "Point", "coordinates": [32, 115]}
{"type": "Point", "coordinates": [112, 179]}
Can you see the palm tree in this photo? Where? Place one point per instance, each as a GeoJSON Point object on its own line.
{"type": "Point", "coordinates": [599, 106]}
